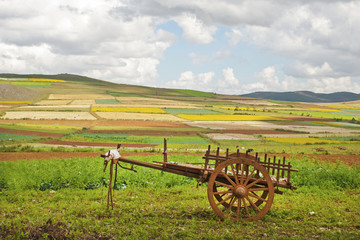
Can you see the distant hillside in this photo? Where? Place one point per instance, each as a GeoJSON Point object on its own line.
{"type": "Point", "coordinates": [306, 96]}
{"type": "Point", "coordinates": [17, 93]}
{"type": "Point", "coordinates": [63, 76]}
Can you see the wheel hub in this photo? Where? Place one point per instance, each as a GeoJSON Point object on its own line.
{"type": "Point", "coordinates": [240, 191]}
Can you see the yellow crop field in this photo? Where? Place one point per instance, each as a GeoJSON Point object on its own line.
{"type": "Point", "coordinates": [303, 140]}
{"type": "Point", "coordinates": [240, 108]}
{"type": "Point", "coordinates": [46, 80]}
{"type": "Point", "coordinates": [326, 110]}
{"type": "Point", "coordinates": [128, 109]}
{"type": "Point", "coordinates": [345, 107]}
{"type": "Point", "coordinates": [224, 117]}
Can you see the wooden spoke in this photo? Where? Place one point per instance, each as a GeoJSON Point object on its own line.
{"type": "Point", "coordinates": [224, 200]}
{"type": "Point", "coordinates": [222, 192]}
{"type": "Point", "coordinates": [242, 174]}
{"type": "Point", "coordinates": [235, 175]}
{"type": "Point", "coordinates": [253, 204]}
{"type": "Point", "coordinates": [231, 199]}
{"type": "Point", "coordinates": [228, 178]}
{"type": "Point", "coordinates": [255, 182]}
{"type": "Point", "coordinates": [257, 197]}
{"type": "Point", "coordinates": [224, 185]}
{"type": "Point", "coordinates": [238, 210]}
{"type": "Point", "coordinates": [246, 208]}
{"type": "Point", "coordinates": [249, 176]}
{"type": "Point", "coordinates": [258, 189]}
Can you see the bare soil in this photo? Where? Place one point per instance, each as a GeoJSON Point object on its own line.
{"type": "Point", "coordinates": [14, 92]}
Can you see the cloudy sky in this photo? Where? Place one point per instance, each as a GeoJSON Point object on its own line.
{"type": "Point", "coordinates": [226, 46]}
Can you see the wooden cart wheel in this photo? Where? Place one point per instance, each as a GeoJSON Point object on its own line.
{"type": "Point", "coordinates": [244, 193]}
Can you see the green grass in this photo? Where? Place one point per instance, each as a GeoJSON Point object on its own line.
{"type": "Point", "coordinates": [33, 84]}
{"type": "Point", "coordinates": [41, 128]}
{"type": "Point", "coordinates": [317, 114]}
{"type": "Point", "coordinates": [107, 101]}
{"type": "Point", "coordinates": [156, 205]}
{"type": "Point", "coordinates": [195, 93]}
{"type": "Point", "coordinates": [8, 136]}
{"type": "Point", "coordinates": [176, 111]}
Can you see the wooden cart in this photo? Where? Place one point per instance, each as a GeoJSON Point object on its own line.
{"type": "Point", "coordinates": [241, 187]}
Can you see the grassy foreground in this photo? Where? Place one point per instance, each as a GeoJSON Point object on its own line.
{"type": "Point", "coordinates": [48, 199]}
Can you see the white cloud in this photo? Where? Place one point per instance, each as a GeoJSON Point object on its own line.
{"type": "Point", "coordinates": [194, 29]}
{"type": "Point", "coordinates": [121, 41]}
{"type": "Point", "coordinates": [307, 70]}
{"type": "Point", "coordinates": [81, 37]}
{"type": "Point", "coordinates": [269, 81]}
{"type": "Point", "coordinates": [229, 84]}
{"type": "Point", "coordinates": [313, 34]}
{"type": "Point", "coordinates": [189, 80]}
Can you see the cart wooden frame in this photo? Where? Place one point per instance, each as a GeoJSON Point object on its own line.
{"type": "Point", "coordinates": [241, 187]}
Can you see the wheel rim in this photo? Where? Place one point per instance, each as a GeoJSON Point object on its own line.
{"type": "Point", "coordinates": [245, 193]}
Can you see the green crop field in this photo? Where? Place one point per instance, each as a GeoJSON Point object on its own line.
{"type": "Point", "coordinates": [10, 137]}
{"type": "Point", "coordinates": [107, 101]}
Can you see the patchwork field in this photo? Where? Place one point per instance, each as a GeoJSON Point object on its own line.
{"type": "Point", "coordinates": [48, 115]}
{"type": "Point", "coordinates": [138, 116]}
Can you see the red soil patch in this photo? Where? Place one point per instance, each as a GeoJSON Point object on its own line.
{"type": "Point", "coordinates": [146, 132]}
{"type": "Point", "coordinates": [30, 133]}
{"type": "Point", "coordinates": [255, 132]}
{"type": "Point", "coordinates": [92, 144]}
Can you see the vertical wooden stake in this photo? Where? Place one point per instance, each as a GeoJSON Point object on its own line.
{"type": "Point", "coordinates": [283, 171]}
{"type": "Point", "coordinates": [165, 150]}
{"type": "Point", "coordinates": [110, 187]}
{"type": "Point", "coordinates": [207, 158]}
